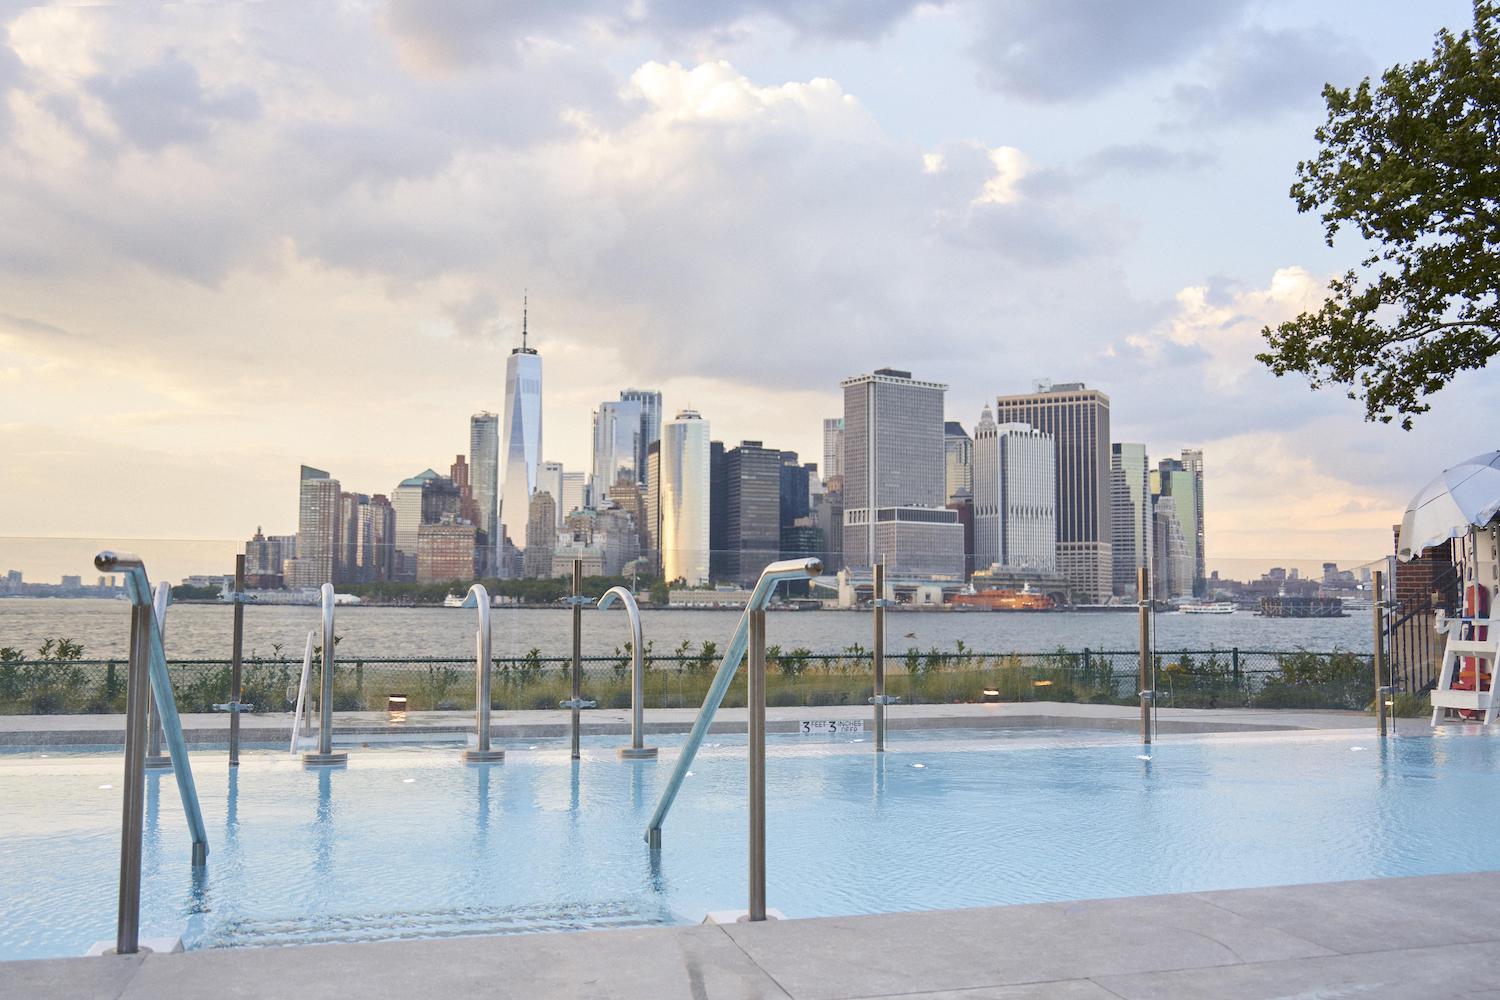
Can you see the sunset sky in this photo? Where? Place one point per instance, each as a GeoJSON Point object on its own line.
{"type": "Point", "coordinates": [241, 237]}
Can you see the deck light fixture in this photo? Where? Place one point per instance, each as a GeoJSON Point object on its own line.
{"type": "Point", "coordinates": [395, 707]}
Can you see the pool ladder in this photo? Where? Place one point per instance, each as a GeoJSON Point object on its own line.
{"type": "Point", "coordinates": [148, 667]}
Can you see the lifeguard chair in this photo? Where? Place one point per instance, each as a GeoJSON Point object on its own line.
{"type": "Point", "coordinates": [1466, 678]}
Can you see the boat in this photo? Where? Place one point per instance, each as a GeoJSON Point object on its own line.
{"type": "Point", "coordinates": [1024, 599]}
{"type": "Point", "coordinates": [1210, 608]}
{"type": "Point", "coordinates": [453, 601]}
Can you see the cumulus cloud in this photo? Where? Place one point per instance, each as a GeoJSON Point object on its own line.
{"type": "Point", "coordinates": [1055, 50]}
{"type": "Point", "coordinates": [1145, 158]}
{"type": "Point", "coordinates": [1258, 73]}
{"type": "Point", "coordinates": [165, 102]}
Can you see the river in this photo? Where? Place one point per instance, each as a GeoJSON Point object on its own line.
{"type": "Point", "coordinates": [203, 631]}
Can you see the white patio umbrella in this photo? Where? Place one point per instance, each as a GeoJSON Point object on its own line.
{"type": "Point", "coordinates": [1466, 495]}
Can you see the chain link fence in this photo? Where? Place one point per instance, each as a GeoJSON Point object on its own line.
{"type": "Point", "coordinates": [1215, 678]}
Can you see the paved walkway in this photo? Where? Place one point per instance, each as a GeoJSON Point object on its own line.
{"type": "Point", "coordinates": [354, 727]}
{"type": "Point", "coordinates": [1425, 938]}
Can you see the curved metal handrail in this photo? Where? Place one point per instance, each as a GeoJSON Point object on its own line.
{"type": "Point", "coordinates": [324, 754]}
{"type": "Point", "coordinates": [786, 569]}
{"type": "Point", "coordinates": [478, 597]}
{"type": "Point", "coordinates": [637, 749]}
{"type": "Point", "coordinates": [154, 659]}
{"type": "Point", "coordinates": [298, 713]}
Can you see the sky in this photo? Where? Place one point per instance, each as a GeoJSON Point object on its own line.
{"type": "Point", "coordinates": [242, 237]}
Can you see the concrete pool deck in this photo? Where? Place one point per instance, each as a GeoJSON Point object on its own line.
{"type": "Point", "coordinates": [1427, 937]}
{"type": "Point", "coordinates": [274, 728]}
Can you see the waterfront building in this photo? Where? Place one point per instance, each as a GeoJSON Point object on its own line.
{"type": "Point", "coordinates": [833, 447]}
{"type": "Point", "coordinates": [1077, 419]}
{"type": "Point", "coordinates": [368, 531]}
{"type": "Point", "coordinates": [458, 472]}
{"type": "Point", "coordinates": [1015, 497]}
{"type": "Point", "coordinates": [521, 436]}
{"type": "Point", "coordinates": [1172, 478]}
{"type": "Point", "coordinates": [1192, 462]}
{"type": "Point", "coordinates": [828, 516]}
{"type": "Point", "coordinates": [894, 479]}
{"type": "Point", "coordinates": [549, 480]}
{"type": "Point", "coordinates": [484, 469]}
{"type": "Point", "coordinates": [796, 487]}
{"type": "Point", "coordinates": [1130, 497]}
{"type": "Point", "coordinates": [617, 435]}
{"type": "Point", "coordinates": [570, 547]}
{"type": "Point", "coordinates": [445, 552]}
{"type": "Point", "coordinates": [753, 483]}
{"type": "Point", "coordinates": [265, 559]}
{"type": "Point", "coordinates": [962, 504]}
{"type": "Point", "coordinates": [653, 503]}
{"type": "Point", "coordinates": [629, 497]}
{"type": "Point", "coordinates": [650, 404]}
{"type": "Point", "coordinates": [318, 532]}
{"type": "Point", "coordinates": [617, 538]}
{"type": "Point", "coordinates": [541, 524]}
{"type": "Point", "coordinates": [407, 500]}
{"type": "Point", "coordinates": [684, 498]}
{"type": "Point", "coordinates": [718, 519]}
{"type": "Point", "coordinates": [958, 459]}
{"type": "Point", "coordinates": [1171, 564]}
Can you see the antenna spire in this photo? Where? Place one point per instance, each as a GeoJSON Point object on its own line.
{"type": "Point", "coordinates": [523, 318]}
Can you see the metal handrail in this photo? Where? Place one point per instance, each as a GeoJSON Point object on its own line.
{"type": "Point", "coordinates": [155, 760]}
{"type": "Point", "coordinates": [324, 755]}
{"type": "Point", "coordinates": [478, 597]}
{"type": "Point", "coordinates": [298, 712]}
{"type": "Point", "coordinates": [148, 665]}
{"type": "Point", "coordinates": [786, 569]}
{"type": "Point", "coordinates": [637, 749]}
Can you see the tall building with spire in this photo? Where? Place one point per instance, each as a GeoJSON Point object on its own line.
{"type": "Point", "coordinates": [520, 439]}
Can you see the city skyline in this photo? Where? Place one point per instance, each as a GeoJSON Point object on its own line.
{"type": "Point", "coordinates": [1115, 215]}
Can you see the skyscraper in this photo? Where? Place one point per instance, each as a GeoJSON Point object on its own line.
{"type": "Point", "coordinates": [1130, 496]}
{"type": "Point", "coordinates": [1077, 418]}
{"type": "Point", "coordinates": [617, 436]}
{"type": "Point", "coordinates": [1192, 461]}
{"type": "Point", "coordinates": [407, 501]}
{"type": "Point", "coordinates": [833, 447]}
{"type": "Point", "coordinates": [542, 525]}
{"type": "Point", "coordinates": [894, 478]}
{"type": "Point", "coordinates": [650, 403]}
{"type": "Point", "coordinates": [1015, 497]}
{"type": "Point", "coordinates": [484, 466]}
{"type": "Point", "coordinates": [752, 502]}
{"type": "Point", "coordinates": [1172, 478]}
{"type": "Point", "coordinates": [318, 532]}
{"type": "Point", "coordinates": [549, 480]}
{"type": "Point", "coordinates": [521, 438]}
{"type": "Point", "coordinates": [958, 459]}
{"type": "Point", "coordinates": [575, 494]}
{"type": "Point", "coordinates": [1171, 565]}
{"type": "Point", "coordinates": [684, 498]}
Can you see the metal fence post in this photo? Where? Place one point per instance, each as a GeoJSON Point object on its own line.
{"type": "Point", "coordinates": [879, 656]}
{"type": "Point", "coordinates": [128, 922]}
{"type": "Point", "coordinates": [236, 675]}
{"type": "Point", "coordinates": [756, 701]}
{"type": "Point", "coordinates": [1143, 589]}
{"type": "Point", "coordinates": [1378, 659]}
{"type": "Point", "coordinates": [577, 650]}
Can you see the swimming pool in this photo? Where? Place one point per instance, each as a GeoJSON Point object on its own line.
{"type": "Point", "coordinates": [414, 843]}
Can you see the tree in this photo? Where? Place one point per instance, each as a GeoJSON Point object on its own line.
{"type": "Point", "coordinates": [1413, 165]}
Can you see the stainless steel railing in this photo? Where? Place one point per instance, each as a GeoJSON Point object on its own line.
{"type": "Point", "coordinates": [787, 569]}
{"type": "Point", "coordinates": [299, 713]}
{"type": "Point", "coordinates": [637, 749]}
{"type": "Point", "coordinates": [324, 755]}
{"type": "Point", "coordinates": [483, 753]}
{"type": "Point", "coordinates": [148, 668]}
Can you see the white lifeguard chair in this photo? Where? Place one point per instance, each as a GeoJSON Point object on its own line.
{"type": "Point", "coordinates": [1466, 678]}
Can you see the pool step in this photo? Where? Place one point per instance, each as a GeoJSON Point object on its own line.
{"type": "Point", "coordinates": [258, 932]}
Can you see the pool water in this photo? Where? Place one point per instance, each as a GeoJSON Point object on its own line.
{"type": "Point", "coordinates": [414, 843]}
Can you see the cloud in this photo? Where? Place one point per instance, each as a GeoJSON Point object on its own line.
{"type": "Point", "coordinates": [446, 38]}
{"type": "Point", "coordinates": [1057, 50]}
{"type": "Point", "coordinates": [1145, 158]}
{"type": "Point", "coordinates": [1259, 73]}
{"type": "Point", "coordinates": [165, 103]}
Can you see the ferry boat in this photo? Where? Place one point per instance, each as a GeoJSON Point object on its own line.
{"type": "Point", "coordinates": [1210, 608]}
{"type": "Point", "coordinates": [453, 601]}
{"type": "Point", "coordinates": [1024, 599]}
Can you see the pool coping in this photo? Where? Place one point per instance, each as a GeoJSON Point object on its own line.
{"type": "Point", "coordinates": [1423, 936]}
{"type": "Point", "coordinates": [355, 727]}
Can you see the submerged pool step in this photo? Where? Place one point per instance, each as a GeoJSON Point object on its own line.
{"type": "Point", "coordinates": [252, 932]}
